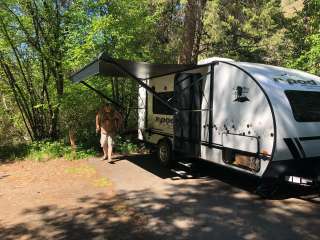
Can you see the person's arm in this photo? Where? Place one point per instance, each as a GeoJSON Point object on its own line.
{"type": "Point", "coordinates": [97, 122]}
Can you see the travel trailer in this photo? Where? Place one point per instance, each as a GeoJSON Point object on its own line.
{"type": "Point", "coordinates": [258, 119]}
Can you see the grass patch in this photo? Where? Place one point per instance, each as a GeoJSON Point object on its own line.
{"type": "Point", "coordinates": [102, 182]}
{"type": "Point", "coordinates": [82, 171]}
{"type": "Point", "coordinates": [128, 146]}
{"type": "Point", "coordinates": [43, 151]}
{"type": "Point", "coordinates": [40, 151]}
{"type": "Point", "coordinates": [46, 150]}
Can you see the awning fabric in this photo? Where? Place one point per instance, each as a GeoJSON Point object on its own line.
{"type": "Point", "coordinates": [107, 66]}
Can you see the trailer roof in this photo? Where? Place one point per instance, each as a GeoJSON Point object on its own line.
{"type": "Point", "coordinates": [108, 66]}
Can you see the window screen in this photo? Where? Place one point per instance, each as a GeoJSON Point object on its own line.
{"type": "Point", "coordinates": [159, 108]}
{"type": "Point", "coordinates": [305, 105]}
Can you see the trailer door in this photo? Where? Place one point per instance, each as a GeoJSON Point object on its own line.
{"type": "Point", "coordinates": [187, 123]}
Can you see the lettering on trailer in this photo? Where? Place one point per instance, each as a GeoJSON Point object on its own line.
{"type": "Point", "coordinates": [164, 120]}
{"type": "Point", "coordinates": [293, 80]}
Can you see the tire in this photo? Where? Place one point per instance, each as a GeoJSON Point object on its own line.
{"type": "Point", "coordinates": [164, 153]}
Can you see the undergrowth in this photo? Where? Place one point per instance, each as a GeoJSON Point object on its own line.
{"type": "Point", "coordinates": [128, 146]}
{"type": "Point", "coordinates": [46, 150]}
{"type": "Point", "coordinates": [42, 151]}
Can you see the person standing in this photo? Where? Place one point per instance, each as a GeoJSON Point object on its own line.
{"type": "Point", "coordinates": [108, 121]}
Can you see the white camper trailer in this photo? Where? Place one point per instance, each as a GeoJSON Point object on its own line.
{"type": "Point", "coordinates": [258, 119]}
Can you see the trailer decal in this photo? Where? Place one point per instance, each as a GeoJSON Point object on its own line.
{"type": "Point", "coordinates": [239, 93]}
{"type": "Point", "coordinates": [291, 81]}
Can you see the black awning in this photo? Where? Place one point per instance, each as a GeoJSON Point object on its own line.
{"type": "Point", "coordinates": [107, 66]}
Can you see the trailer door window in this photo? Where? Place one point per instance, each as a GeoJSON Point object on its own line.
{"type": "Point", "coordinates": [159, 108]}
{"type": "Point", "coordinates": [305, 105]}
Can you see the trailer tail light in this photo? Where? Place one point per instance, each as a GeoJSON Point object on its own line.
{"type": "Point", "coordinates": [264, 152]}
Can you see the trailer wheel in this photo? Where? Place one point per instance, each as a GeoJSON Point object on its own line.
{"type": "Point", "coordinates": [164, 153]}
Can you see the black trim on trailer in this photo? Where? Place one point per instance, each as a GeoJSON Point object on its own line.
{"type": "Point", "coordinates": [175, 72]}
{"type": "Point", "coordinates": [292, 147]}
{"type": "Point", "coordinates": [300, 147]}
{"type": "Point", "coordinates": [146, 111]}
{"type": "Point", "coordinates": [309, 138]}
{"type": "Point", "coordinates": [158, 131]}
{"type": "Point", "coordinates": [210, 124]}
{"type": "Point", "coordinates": [212, 145]}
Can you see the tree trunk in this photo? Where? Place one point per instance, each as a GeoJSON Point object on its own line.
{"type": "Point", "coordinates": [72, 138]}
{"type": "Point", "coordinates": [192, 32]}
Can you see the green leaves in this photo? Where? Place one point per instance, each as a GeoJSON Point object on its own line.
{"type": "Point", "coordinates": [304, 31]}
{"type": "Point", "coordinates": [242, 30]}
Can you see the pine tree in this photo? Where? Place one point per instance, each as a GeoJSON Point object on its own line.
{"type": "Point", "coordinates": [244, 30]}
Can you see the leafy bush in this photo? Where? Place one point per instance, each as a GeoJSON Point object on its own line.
{"type": "Point", "coordinates": [13, 152]}
{"type": "Point", "coordinates": [126, 145]}
{"type": "Point", "coordinates": [41, 151]}
{"type": "Point", "coordinates": [46, 150]}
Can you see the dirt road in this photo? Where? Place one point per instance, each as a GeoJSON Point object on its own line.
{"type": "Point", "coordinates": [141, 200]}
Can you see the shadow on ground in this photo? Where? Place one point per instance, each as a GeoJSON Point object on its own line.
{"type": "Point", "coordinates": [207, 209]}
{"type": "Point", "coordinates": [197, 169]}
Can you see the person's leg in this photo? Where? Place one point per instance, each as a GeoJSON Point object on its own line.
{"type": "Point", "coordinates": [110, 142]}
{"type": "Point", "coordinates": [105, 151]}
{"type": "Point", "coordinates": [104, 145]}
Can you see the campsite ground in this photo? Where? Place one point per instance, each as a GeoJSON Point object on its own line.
{"type": "Point", "coordinates": [134, 198]}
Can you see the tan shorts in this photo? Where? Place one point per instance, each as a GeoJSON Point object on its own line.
{"type": "Point", "coordinates": [106, 140]}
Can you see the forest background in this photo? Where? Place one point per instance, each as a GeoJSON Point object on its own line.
{"type": "Point", "coordinates": [43, 41]}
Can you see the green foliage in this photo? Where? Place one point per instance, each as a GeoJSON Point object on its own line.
{"type": "Point", "coordinates": [43, 42]}
{"type": "Point", "coordinates": [13, 152]}
{"type": "Point", "coordinates": [126, 145]}
{"type": "Point", "coordinates": [243, 30]}
{"type": "Point", "coordinates": [43, 151]}
{"type": "Point", "coordinates": [303, 29]}
{"type": "Point", "coordinates": [31, 43]}
{"type": "Point", "coordinates": [124, 29]}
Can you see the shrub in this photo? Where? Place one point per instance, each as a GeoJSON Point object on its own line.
{"type": "Point", "coordinates": [42, 151]}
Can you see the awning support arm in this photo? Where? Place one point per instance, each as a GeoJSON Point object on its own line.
{"type": "Point", "coordinates": [146, 86]}
{"type": "Point", "coordinates": [101, 94]}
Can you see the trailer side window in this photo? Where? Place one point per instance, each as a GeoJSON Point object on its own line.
{"type": "Point", "coordinates": [159, 108]}
{"type": "Point", "coordinates": [305, 105]}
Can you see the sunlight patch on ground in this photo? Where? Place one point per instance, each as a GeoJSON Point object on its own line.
{"type": "Point", "coordinates": [222, 210]}
{"type": "Point", "coordinates": [183, 223]}
{"type": "Point", "coordinates": [250, 236]}
{"type": "Point", "coordinates": [242, 195]}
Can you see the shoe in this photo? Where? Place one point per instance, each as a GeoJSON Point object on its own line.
{"type": "Point", "coordinates": [104, 158]}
